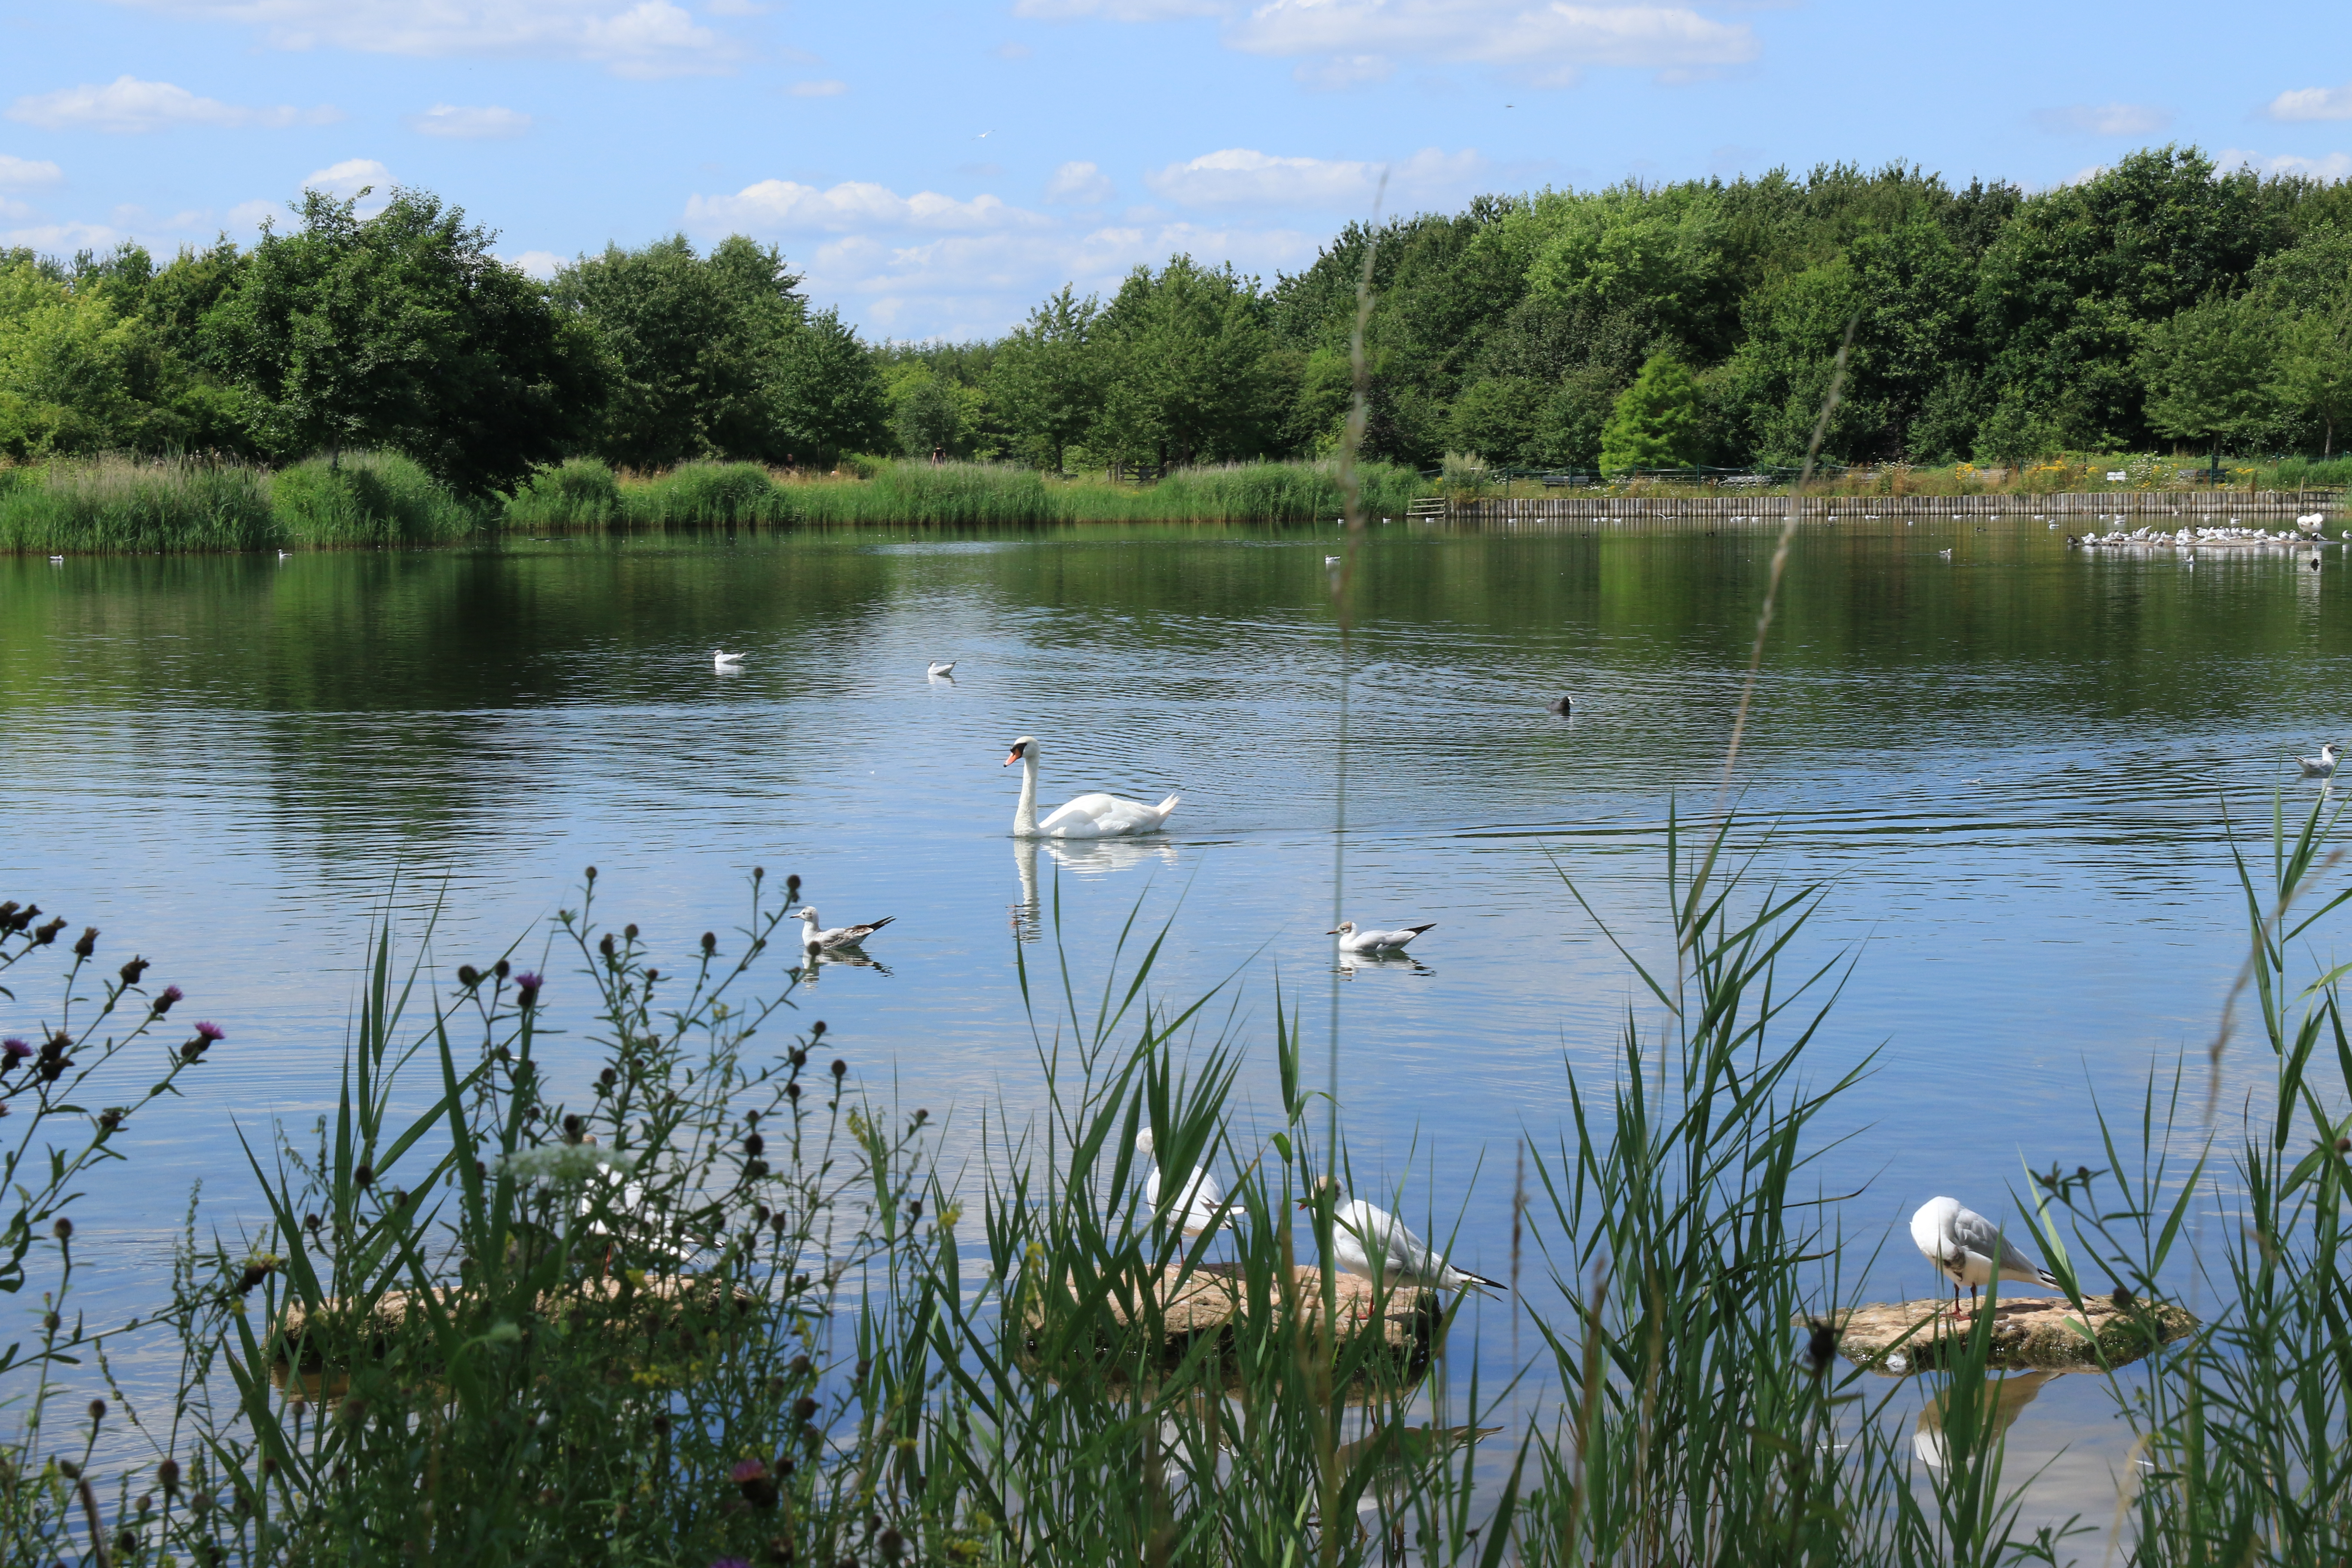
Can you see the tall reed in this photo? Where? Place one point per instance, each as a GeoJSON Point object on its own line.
{"type": "Point", "coordinates": [368, 498]}
{"type": "Point", "coordinates": [128, 504]}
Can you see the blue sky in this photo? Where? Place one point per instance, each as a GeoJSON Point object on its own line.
{"type": "Point", "coordinates": [935, 170]}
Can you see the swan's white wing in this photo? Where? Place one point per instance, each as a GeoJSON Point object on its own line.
{"type": "Point", "coordinates": [1099, 816]}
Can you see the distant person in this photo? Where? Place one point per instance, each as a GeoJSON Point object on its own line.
{"type": "Point", "coordinates": [938, 456]}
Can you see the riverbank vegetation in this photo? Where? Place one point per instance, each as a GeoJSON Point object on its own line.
{"type": "Point", "coordinates": [2163, 305]}
{"type": "Point", "coordinates": [659, 1280]}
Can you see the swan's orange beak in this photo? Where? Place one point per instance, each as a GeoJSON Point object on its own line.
{"type": "Point", "coordinates": [1009, 760]}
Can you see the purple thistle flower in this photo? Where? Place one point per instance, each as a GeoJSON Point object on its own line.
{"type": "Point", "coordinates": [748, 1470]}
{"type": "Point", "coordinates": [211, 1032]}
{"type": "Point", "coordinates": [527, 985]}
{"type": "Point", "coordinates": [17, 1051]}
{"type": "Point", "coordinates": [162, 1003]}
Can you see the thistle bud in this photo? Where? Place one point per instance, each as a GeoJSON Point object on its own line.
{"type": "Point", "coordinates": [88, 944]}
{"type": "Point", "coordinates": [133, 970]}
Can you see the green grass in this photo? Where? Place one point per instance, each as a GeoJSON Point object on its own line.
{"type": "Point", "coordinates": [367, 498]}
{"type": "Point", "coordinates": [982, 494]}
{"type": "Point", "coordinates": [123, 504]}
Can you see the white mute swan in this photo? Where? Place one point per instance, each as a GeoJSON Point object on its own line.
{"type": "Point", "coordinates": [1095, 815]}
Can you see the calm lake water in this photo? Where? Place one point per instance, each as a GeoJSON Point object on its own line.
{"type": "Point", "coordinates": [2008, 769]}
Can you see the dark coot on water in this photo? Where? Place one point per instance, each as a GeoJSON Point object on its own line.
{"type": "Point", "coordinates": [1563, 706]}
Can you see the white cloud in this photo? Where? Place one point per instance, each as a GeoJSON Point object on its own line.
{"type": "Point", "coordinates": [1120, 10]}
{"type": "Point", "coordinates": [2103, 119]}
{"type": "Point", "coordinates": [475, 124]}
{"type": "Point", "coordinates": [539, 264]}
{"type": "Point", "coordinates": [2313, 103]}
{"type": "Point", "coordinates": [254, 214]}
{"type": "Point", "coordinates": [2333, 166]}
{"type": "Point", "coordinates": [1080, 186]}
{"type": "Point", "coordinates": [63, 238]}
{"type": "Point", "coordinates": [647, 38]}
{"type": "Point", "coordinates": [736, 8]}
{"type": "Point", "coordinates": [127, 105]}
{"type": "Point", "coordinates": [347, 179]}
{"type": "Point", "coordinates": [1238, 176]}
{"type": "Point", "coordinates": [783, 205]}
{"type": "Point", "coordinates": [818, 88]}
{"type": "Point", "coordinates": [27, 171]}
{"type": "Point", "coordinates": [1548, 45]}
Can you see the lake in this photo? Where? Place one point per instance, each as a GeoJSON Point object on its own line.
{"type": "Point", "coordinates": [2007, 770]}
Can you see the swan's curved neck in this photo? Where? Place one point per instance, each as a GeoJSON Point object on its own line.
{"type": "Point", "coordinates": [1025, 815]}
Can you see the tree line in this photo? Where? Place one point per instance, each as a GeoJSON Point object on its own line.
{"type": "Point", "coordinates": [2161, 301]}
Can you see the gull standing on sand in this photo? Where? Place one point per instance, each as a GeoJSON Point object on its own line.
{"type": "Point", "coordinates": [1354, 940]}
{"type": "Point", "coordinates": [1195, 1212]}
{"type": "Point", "coordinates": [721, 659]}
{"type": "Point", "coordinates": [2322, 766]}
{"type": "Point", "coordinates": [1363, 1237]}
{"type": "Point", "coordinates": [1962, 1245]}
{"type": "Point", "coordinates": [839, 937]}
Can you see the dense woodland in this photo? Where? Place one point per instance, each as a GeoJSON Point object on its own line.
{"type": "Point", "coordinates": [2164, 303]}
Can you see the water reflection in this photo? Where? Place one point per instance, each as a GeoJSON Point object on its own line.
{"type": "Point", "coordinates": [1083, 856]}
{"type": "Point", "coordinates": [1349, 962]}
{"type": "Point", "coordinates": [2005, 1398]}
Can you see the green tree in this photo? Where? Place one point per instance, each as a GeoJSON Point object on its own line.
{"type": "Point", "coordinates": [1189, 376]}
{"type": "Point", "coordinates": [81, 370]}
{"type": "Point", "coordinates": [404, 331]}
{"type": "Point", "coordinates": [1048, 374]}
{"type": "Point", "coordinates": [697, 348]}
{"type": "Point", "coordinates": [829, 399]}
{"type": "Point", "coordinates": [2314, 371]}
{"type": "Point", "coordinates": [2210, 371]}
{"type": "Point", "coordinates": [1498, 419]}
{"type": "Point", "coordinates": [1656, 421]}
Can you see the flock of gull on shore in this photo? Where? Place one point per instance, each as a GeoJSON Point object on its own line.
{"type": "Point", "coordinates": [1964, 1247]}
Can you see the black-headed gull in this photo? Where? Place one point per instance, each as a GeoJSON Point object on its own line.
{"type": "Point", "coordinates": [1962, 1244]}
{"type": "Point", "coordinates": [722, 659]}
{"type": "Point", "coordinates": [2322, 766]}
{"type": "Point", "coordinates": [839, 936]}
{"type": "Point", "coordinates": [941, 666]}
{"type": "Point", "coordinates": [1195, 1212]}
{"type": "Point", "coordinates": [1373, 1244]}
{"type": "Point", "coordinates": [1354, 940]}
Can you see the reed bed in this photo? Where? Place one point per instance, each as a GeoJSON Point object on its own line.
{"type": "Point", "coordinates": [368, 498]}
{"type": "Point", "coordinates": [135, 505]}
{"type": "Point", "coordinates": [703, 1300]}
{"type": "Point", "coordinates": [982, 494]}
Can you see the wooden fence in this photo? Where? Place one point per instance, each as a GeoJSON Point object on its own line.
{"type": "Point", "coordinates": [2146, 504]}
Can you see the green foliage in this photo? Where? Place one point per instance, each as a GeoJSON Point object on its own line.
{"type": "Point", "coordinates": [1187, 377]}
{"type": "Point", "coordinates": [579, 493]}
{"type": "Point", "coordinates": [1655, 424]}
{"type": "Point", "coordinates": [982, 494]}
{"type": "Point", "coordinates": [402, 331]}
{"type": "Point", "coordinates": [2314, 371]}
{"type": "Point", "coordinates": [2210, 370]}
{"type": "Point", "coordinates": [367, 498]}
{"type": "Point", "coordinates": [698, 494]}
{"type": "Point", "coordinates": [126, 504]}
{"type": "Point", "coordinates": [1046, 381]}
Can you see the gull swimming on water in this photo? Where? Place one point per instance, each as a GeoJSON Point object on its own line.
{"type": "Point", "coordinates": [2322, 766]}
{"type": "Point", "coordinates": [1963, 1244]}
{"type": "Point", "coordinates": [839, 936]}
{"type": "Point", "coordinates": [1373, 1244]}
{"type": "Point", "coordinates": [1354, 940]}
{"type": "Point", "coordinates": [721, 659]}
{"type": "Point", "coordinates": [1195, 1212]}
{"type": "Point", "coordinates": [941, 666]}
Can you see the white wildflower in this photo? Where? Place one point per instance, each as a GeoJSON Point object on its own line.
{"type": "Point", "coordinates": [564, 1164]}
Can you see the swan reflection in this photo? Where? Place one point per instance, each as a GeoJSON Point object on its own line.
{"type": "Point", "coordinates": [1085, 856]}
